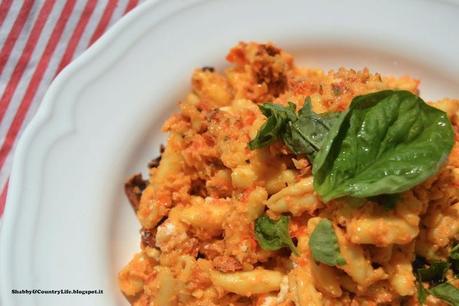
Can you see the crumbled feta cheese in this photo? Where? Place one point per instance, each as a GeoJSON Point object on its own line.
{"type": "Point", "coordinates": [164, 233]}
{"type": "Point", "coordinates": [170, 228]}
{"type": "Point", "coordinates": [169, 235]}
{"type": "Point", "coordinates": [269, 301]}
{"type": "Point", "coordinates": [283, 290]}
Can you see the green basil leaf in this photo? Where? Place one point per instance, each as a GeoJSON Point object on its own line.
{"type": "Point", "coordinates": [446, 292]}
{"type": "Point", "coordinates": [388, 201]}
{"type": "Point", "coordinates": [386, 143]}
{"type": "Point", "coordinates": [273, 129]}
{"type": "Point", "coordinates": [324, 244]}
{"type": "Point", "coordinates": [422, 293]}
{"type": "Point", "coordinates": [434, 274]}
{"type": "Point", "coordinates": [454, 253]}
{"type": "Point", "coordinates": [273, 235]}
{"type": "Point", "coordinates": [305, 135]}
{"type": "Point", "coordinates": [454, 259]}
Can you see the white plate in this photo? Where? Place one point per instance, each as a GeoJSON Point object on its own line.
{"type": "Point", "coordinates": [67, 223]}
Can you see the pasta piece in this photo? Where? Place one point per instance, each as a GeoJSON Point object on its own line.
{"type": "Point", "coordinates": [165, 296]}
{"type": "Point", "coordinates": [248, 283]}
{"type": "Point", "coordinates": [255, 203]}
{"type": "Point", "coordinates": [278, 182]}
{"type": "Point", "coordinates": [271, 299]}
{"type": "Point", "coordinates": [241, 106]}
{"type": "Point", "coordinates": [212, 87]}
{"type": "Point", "coordinates": [357, 265]}
{"type": "Point", "coordinates": [233, 151]}
{"type": "Point", "coordinates": [445, 226]}
{"type": "Point", "coordinates": [151, 209]}
{"type": "Point", "coordinates": [247, 113]}
{"type": "Point", "coordinates": [302, 288]}
{"type": "Point", "coordinates": [220, 184]}
{"type": "Point", "coordinates": [171, 162]}
{"type": "Point", "coordinates": [379, 293]}
{"type": "Point", "coordinates": [426, 248]}
{"type": "Point", "coordinates": [148, 212]}
{"type": "Point", "coordinates": [207, 214]}
{"type": "Point", "coordinates": [373, 224]}
{"type": "Point", "coordinates": [152, 253]}
{"type": "Point", "coordinates": [131, 278]}
{"type": "Point", "coordinates": [381, 231]}
{"type": "Point", "coordinates": [336, 302]}
{"type": "Point", "coordinates": [186, 263]}
{"type": "Point", "coordinates": [326, 279]}
{"type": "Point", "coordinates": [400, 271]}
{"type": "Point", "coordinates": [243, 177]}
{"type": "Point", "coordinates": [296, 199]}
{"type": "Point", "coordinates": [276, 176]}
{"type": "Point", "coordinates": [182, 268]}
{"type": "Point", "coordinates": [189, 108]}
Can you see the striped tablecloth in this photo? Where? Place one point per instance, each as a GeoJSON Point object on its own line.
{"type": "Point", "coordinates": [38, 38]}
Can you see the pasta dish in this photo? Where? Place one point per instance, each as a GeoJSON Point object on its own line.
{"type": "Point", "coordinates": [285, 185]}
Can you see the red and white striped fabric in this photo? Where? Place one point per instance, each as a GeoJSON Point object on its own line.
{"type": "Point", "coordinates": [38, 38]}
